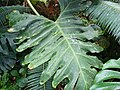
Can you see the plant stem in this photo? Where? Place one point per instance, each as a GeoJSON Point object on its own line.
{"type": "Point", "coordinates": [31, 6]}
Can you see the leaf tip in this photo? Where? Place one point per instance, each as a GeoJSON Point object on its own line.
{"type": "Point", "coordinates": [23, 63]}
{"type": "Point", "coordinates": [14, 10]}
{"type": "Point", "coordinates": [11, 30]}
{"type": "Point", "coordinates": [54, 84]}
{"type": "Point", "coordinates": [41, 82]}
{"type": "Point", "coordinates": [30, 66]}
{"type": "Point", "coordinates": [19, 49]}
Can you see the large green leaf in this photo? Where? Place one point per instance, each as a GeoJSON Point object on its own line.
{"type": "Point", "coordinates": [105, 79]}
{"type": "Point", "coordinates": [107, 13]}
{"type": "Point", "coordinates": [64, 44]}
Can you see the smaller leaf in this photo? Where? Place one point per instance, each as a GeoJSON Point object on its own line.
{"type": "Point", "coordinates": [108, 79]}
{"type": "Point", "coordinates": [22, 82]}
{"type": "Point", "coordinates": [14, 73]}
{"type": "Point", "coordinates": [112, 64]}
{"type": "Point", "coordinates": [5, 77]}
{"type": "Point", "coordinates": [22, 71]}
{"type": "Point", "coordinates": [106, 86]}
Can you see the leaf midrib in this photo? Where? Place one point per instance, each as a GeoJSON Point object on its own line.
{"type": "Point", "coordinates": [77, 60]}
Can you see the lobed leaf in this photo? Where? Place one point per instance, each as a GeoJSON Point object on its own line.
{"type": "Point", "coordinates": [102, 79]}
{"type": "Point", "coordinates": [64, 44]}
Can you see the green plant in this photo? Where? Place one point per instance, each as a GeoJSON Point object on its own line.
{"type": "Point", "coordinates": [107, 13]}
{"type": "Point", "coordinates": [108, 79]}
{"type": "Point", "coordinates": [7, 45]}
{"type": "Point", "coordinates": [12, 81]}
{"type": "Point", "coordinates": [8, 54]}
{"type": "Point", "coordinates": [64, 43]}
{"type": "Point", "coordinates": [63, 51]}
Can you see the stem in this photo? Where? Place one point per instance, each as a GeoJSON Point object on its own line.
{"type": "Point", "coordinates": [31, 6]}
